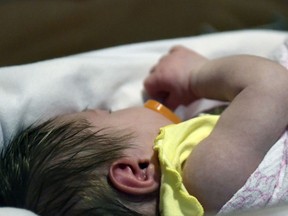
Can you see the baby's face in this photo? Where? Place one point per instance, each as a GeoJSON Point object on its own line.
{"type": "Point", "coordinates": [143, 122]}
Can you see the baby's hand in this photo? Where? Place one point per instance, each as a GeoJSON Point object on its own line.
{"type": "Point", "coordinates": [171, 80]}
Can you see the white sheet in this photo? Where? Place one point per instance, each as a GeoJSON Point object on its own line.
{"type": "Point", "coordinates": [108, 78]}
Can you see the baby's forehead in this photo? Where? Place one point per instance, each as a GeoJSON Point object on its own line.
{"type": "Point", "coordinates": [73, 116]}
{"type": "Point", "coordinates": [84, 118]}
{"type": "Point", "coordinates": [76, 118]}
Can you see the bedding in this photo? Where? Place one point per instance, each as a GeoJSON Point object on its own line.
{"type": "Point", "coordinates": [109, 78]}
{"type": "Point", "coordinates": [268, 185]}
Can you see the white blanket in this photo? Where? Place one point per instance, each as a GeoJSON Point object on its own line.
{"type": "Point", "coordinates": [108, 78]}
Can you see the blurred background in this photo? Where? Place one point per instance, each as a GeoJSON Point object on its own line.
{"type": "Point", "coordinates": [37, 30]}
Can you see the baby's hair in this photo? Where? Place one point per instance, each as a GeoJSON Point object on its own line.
{"type": "Point", "coordinates": [55, 168]}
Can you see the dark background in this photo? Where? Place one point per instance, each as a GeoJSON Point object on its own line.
{"type": "Point", "coordinates": [36, 30]}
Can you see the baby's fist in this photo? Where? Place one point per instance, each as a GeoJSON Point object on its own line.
{"type": "Point", "coordinates": [171, 79]}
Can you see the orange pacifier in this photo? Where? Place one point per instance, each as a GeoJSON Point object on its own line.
{"type": "Point", "coordinates": [160, 108]}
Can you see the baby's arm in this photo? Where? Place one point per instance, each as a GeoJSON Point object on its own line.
{"type": "Point", "coordinates": [256, 117]}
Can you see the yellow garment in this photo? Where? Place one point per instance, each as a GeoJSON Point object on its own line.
{"type": "Point", "coordinates": [174, 144]}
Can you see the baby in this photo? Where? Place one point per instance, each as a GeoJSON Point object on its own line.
{"type": "Point", "coordinates": [98, 162]}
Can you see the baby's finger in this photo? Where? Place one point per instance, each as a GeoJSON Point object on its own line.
{"type": "Point", "coordinates": [163, 58]}
{"type": "Point", "coordinates": [176, 48]}
{"type": "Point", "coordinates": [171, 101]}
{"type": "Point", "coordinates": [155, 87]}
{"type": "Point", "coordinates": [153, 69]}
{"type": "Point", "coordinates": [150, 85]}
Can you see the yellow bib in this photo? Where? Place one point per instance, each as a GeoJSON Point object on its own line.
{"type": "Point", "coordinates": [174, 144]}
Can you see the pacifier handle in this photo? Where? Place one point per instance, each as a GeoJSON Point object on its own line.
{"type": "Point", "coordinates": [160, 108]}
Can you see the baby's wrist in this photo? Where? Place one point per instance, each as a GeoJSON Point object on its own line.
{"type": "Point", "coordinates": [195, 82]}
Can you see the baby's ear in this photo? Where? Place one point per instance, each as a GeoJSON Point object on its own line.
{"type": "Point", "coordinates": [132, 177]}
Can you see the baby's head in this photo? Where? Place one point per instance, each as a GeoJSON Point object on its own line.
{"type": "Point", "coordinates": [89, 163]}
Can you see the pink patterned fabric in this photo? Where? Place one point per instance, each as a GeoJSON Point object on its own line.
{"type": "Point", "coordinates": [268, 185]}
